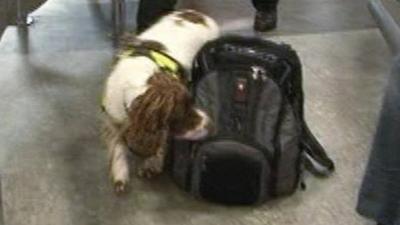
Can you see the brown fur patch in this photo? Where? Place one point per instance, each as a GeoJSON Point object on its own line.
{"type": "Point", "coordinates": [129, 40]}
{"type": "Point", "coordinates": [166, 106]}
{"type": "Point", "coordinates": [192, 16]}
{"type": "Point", "coordinates": [154, 45]}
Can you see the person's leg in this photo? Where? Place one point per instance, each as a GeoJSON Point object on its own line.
{"type": "Point", "coordinates": [379, 196]}
{"type": "Point", "coordinates": [151, 10]}
{"type": "Point", "coordinates": [266, 14]}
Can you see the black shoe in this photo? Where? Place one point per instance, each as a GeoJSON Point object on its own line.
{"type": "Point", "coordinates": [265, 21]}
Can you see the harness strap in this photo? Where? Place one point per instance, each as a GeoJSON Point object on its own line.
{"type": "Point", "coordinates": [165, 62]}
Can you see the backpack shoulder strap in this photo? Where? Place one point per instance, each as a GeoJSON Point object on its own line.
{"type": "Point", "coordinates": [316, 160]}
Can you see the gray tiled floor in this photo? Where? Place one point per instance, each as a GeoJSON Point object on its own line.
{"type": "Point", "coordinates": [53, 166]}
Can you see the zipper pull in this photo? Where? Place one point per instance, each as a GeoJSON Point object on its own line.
{"type": "Point", "coordinates": [258, 72]}
{"type": "Point", "coordinates": [241, 90]}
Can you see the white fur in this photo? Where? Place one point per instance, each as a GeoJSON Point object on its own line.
{"type": "Point", "coordinates": [129, 78]}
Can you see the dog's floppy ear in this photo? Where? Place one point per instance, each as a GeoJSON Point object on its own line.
{"type": "Point", "coordinates": [150, 114]}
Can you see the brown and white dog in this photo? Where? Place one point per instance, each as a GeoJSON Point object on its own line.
{"type": "Point", "coordinates": [144, 106]}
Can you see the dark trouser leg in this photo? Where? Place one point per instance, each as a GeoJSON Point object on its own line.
{"type": "Point", "coordinates": [265, 5]}
{"type": "Point", "coordinates": [151, 10]}
{"type": "Point", "coordinates": [266, 15]}
{"type": "Point", "coordinates": [379, 196]}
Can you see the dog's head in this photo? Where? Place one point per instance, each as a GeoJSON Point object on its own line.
{"type": "Point", "coordinates": [165, 106]}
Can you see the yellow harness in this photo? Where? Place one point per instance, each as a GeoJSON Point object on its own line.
{"type": "Point", "coordinates": [165, 62]}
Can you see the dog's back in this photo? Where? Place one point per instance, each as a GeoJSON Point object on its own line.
{"type": "Point", "coordinates": [182, 34]}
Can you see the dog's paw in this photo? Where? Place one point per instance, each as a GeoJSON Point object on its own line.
{"type": "Point", "coordinates": [120, 187]}
{"type": "Point", "coordinates": [151, 167]}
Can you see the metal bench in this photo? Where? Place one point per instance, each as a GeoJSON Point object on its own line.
{"type": "Point", "coordinates": [23, 18]}
{"type": "Point", "coordinates": [20, 15]}
{"type": "Point", "coordinates": [3, 16]}
{"type": "Point", "coordinates": [118, 17]}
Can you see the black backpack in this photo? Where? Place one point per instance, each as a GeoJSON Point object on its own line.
{"type": "Point", "coordinates": [252, 89]}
